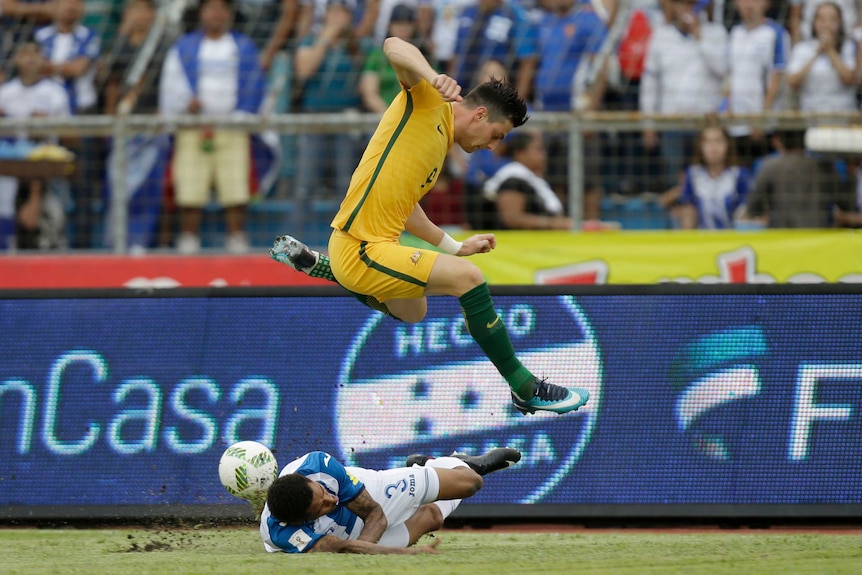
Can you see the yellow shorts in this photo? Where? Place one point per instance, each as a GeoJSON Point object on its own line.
{"type": "Point", "coordinates": [386, 270]}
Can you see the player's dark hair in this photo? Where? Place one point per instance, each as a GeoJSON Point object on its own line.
{"type": "Point", "coordinates": [289, 498]}
{"type": "Point", "coordinates": [501, 99]}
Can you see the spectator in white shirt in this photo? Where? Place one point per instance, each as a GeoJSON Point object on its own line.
{"type": "Point", "coordinates": [29, 216]}
{"type": "Point", "coordinates": [759, 48]}
{"type": "Point", "coordinates": [71, 50]}
{"type": "Point", "coordinates": [444, 29]}
{"type": "Point", "coordinates": [801, 17]}
{"type": "Point", "coordinates": [823, 68]}
{"type": "Point", "coordinates": [214, 71]}
{"type": "Point", "coordinates": [685, 65]}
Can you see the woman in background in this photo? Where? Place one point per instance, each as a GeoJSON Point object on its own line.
{"type": "Point", "coordinates": [823, 69]}
{"type": "Point", "coordinates": [524, 198]}
{"type": "Point", "coordinates": [714, 187]}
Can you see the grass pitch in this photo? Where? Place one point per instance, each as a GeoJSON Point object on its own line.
{"type": "Point", "coordinates": [233, 551]}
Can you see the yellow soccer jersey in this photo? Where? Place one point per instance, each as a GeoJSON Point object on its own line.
{"type": "Point", "coordinates": [400, 165]}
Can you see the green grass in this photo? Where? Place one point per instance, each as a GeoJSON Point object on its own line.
{"type": "Point", "coordinates": [239, 551]}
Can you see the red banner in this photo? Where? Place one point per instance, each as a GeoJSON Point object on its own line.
{"type": "Point", "coordinates": [103, 271]}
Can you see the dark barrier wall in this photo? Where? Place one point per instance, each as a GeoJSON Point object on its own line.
{"type": "Point", "coordinates": [707, 401]}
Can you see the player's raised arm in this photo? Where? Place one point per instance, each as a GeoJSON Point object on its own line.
{"type": "Point", "coordinates": [372, 516]}
{"type": "Point", "coordinates": [332, 544]}
{"type": "Point", "coordinates": [411, 67]}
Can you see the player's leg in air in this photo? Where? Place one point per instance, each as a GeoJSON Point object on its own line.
{"type": "Point", "coordinates": [457, 481]}
{"type": "Point", "coordinates": [490, 461]}
{"type": "Point", "coordinates": [293, 253]}
{"type": "Point", "coordinates": [456, 276]}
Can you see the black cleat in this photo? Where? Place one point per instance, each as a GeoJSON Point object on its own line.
{"type": "Point", "coordinates": [416, 459]}
{"type": "Point", "coordinates": [494, 460]}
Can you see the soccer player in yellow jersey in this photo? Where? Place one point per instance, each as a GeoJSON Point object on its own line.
{"type": "Point", "coordinates": [400, 165]}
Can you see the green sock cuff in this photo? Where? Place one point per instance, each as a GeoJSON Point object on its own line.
{"type": "Point", "coordinates": [477, 299]}
{"type": "Point", "coordinates": [322, 269]}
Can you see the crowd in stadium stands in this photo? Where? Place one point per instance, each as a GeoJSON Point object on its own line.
{"type": "Point", "coordinates": [221, 57]}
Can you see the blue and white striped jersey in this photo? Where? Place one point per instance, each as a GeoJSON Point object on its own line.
{"type": "Point", "coordinates": [716, 199]}
{"type": "Point", "coordinates": [334, 477]}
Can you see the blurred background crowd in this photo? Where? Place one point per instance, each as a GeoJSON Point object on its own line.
{"type": "Point", "coordinates": [716, 64]}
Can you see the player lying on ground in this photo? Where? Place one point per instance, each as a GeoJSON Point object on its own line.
{"type": "Point", "coordinates": [318, 505]}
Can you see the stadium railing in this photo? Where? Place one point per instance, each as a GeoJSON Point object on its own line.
{"type": "Point", "coordinates": [575, 125]}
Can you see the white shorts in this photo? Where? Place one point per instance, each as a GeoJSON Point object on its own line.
{"type": "Point", "coordinates": [400, 492]}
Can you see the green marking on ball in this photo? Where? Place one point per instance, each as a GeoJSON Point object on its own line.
{"type": "Point", "coordinates": [260, 459]}
{"type": "Point", "coordinates": [236, 452]}
{"type": "Point", "coordinates": [241, 478]}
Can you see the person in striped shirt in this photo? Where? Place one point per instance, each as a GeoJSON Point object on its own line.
{"type": "Point", "coordinates": [319, 505]}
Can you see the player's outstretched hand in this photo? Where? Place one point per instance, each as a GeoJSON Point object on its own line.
{"type": "Point", "coordinates": [478, 244]}
{"type": "Point", "coordinates": [427, 549]}
{"type": "Point", "coordinates": [449, 89]}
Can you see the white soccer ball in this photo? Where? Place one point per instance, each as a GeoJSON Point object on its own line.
{"type": "Point", "coordinates": [247, 469]}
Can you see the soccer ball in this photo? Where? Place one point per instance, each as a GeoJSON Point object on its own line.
{"type": "Point", "coordinates": [247, 469]}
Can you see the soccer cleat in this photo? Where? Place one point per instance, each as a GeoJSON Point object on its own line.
{"type": "Point", "coordinates": [292, 252]}
{"type": "Point", "coordinates": [493, 460]}
{"type": "Point", "coordinates": [416, 459]}
{"type": "Point", "coordinates": [550, 397]}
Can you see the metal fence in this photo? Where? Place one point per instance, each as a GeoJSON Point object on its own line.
{"type": "Point", "coordinates": [619, 162]}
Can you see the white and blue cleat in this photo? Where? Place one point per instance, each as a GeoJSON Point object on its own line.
{"type": "Point", "coordinates": [291, 252]}
{"type": "Point", "coordinates": [553, 398]}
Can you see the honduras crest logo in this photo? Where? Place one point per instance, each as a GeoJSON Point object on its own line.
{"type": "Point", "coordinates": [709, 373]}
{"type": "Point", "coordinates": [428, 388]}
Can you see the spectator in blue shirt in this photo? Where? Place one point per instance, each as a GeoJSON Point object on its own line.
{"type": "Point", "coordinates": [569, 40]}
{"type": "Point", "coordinates": [71, 50]}
{"type": "Point", "coordinates": [495, 30]}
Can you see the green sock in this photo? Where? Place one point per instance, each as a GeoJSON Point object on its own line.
{"type": "Point", "coordinates": [490, 333]}
{"type": "Point", "coordinates": [322, 269]}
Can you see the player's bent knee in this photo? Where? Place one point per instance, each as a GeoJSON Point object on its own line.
{"type": "Point", "coordinates": [435, 518]}
{"type": "Point", "coordinates": [427, 518]}
{"type": "Point", "coordinates": [472, 482]}
{"type": "Point", "coordinates": [467, 277]}
{"type": "Point", "coordinates": [473, 277]}
{"type": "Point", "coordinates": [478, 483]}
